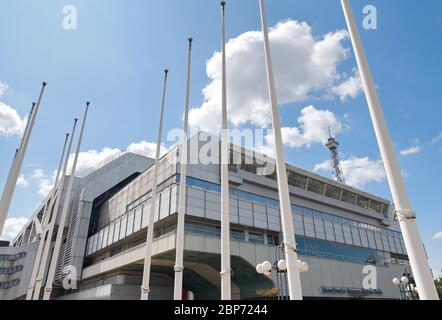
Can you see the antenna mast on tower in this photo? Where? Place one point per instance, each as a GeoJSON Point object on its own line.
{"type": "Point", "coordinates": [332, 145]}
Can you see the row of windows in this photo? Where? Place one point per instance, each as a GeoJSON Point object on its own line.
{"type": "Point", "coordinates": [12, 257]}
{"type": "Point", "coordinates": [298, 209]}
{"type": "Point", "coordinates": [9, 284]}
{"type": "Point", "coordinates": [163, 185]}
{"type": "Point", "coordinates": [12, 270]}
{"type": "Point", "coordinates": [300, 181]}
{"type": "Point", "coordinates": [306, 246]}
{"type": "Point", "coordinates": [335, 251]}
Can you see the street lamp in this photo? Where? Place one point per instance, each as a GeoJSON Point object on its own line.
{"type": "Point", "coordinates": [280, 267]}
{"type": "Point", "coordinates": [406, 285]}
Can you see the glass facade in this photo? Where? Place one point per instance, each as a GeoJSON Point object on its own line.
{"type": "Point", "coordinates": [308, 222]}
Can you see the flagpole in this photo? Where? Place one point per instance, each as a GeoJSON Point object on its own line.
{"type": "Point", "coordinates": [8, 185]}
{"type": "Point", "coordinates": [64, 215]}
{"type": "Point", "coordinates": [293, 277]}
{"type": "Point", "coordinates": [6, 203]}
{"type": "Point", "coordinates": [145, 288]}
{"type": "Point", "coordinates": [6, 190]}
{"type": "Point", "coordinates": [226, 291]}
{"type": "Point", "coordinates": [43, 224]}
{"type": "Point", "coordinates": [179, 258]}
{"type": "Point", "coordinates": [404, 212]}
{"type": "Point", "coordinates": [52, 220]}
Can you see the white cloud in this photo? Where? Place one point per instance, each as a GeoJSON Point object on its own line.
{"type": "Point", "coordinates": [305, 67]}
{"type": "Point", "coordinates": [438, 138]}
{"type": "Point", "coordinates": [3, 88]}
{"type": "Point", "coordinates": [44, 182]}
{"type": "Point", "coordinates": [350, 88]}
{"type": "Point", "coordinates": [92, 159]}
{"type": "Point", "coordinates": [411, 151]}
{"type": "Point", "coordinates": [437, 236]}
{"type": "Point", "coordinates": [10, 121]}
{"type": "Point", "coordinates": [357, 171]}
{"type": "Point", "coordinates": [145, 148]}
{"type": "Point", "coordinates": [313, 127]}
{"type": "Point", "coordinates": [12, 227]}
{"type": "Point", "coordinates": [22, 181]}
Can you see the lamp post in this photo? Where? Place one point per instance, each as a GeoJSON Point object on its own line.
{"type": "Point", "coordinates": [279, 266]}
{"type": "Point", "coordinates": [407, 286]}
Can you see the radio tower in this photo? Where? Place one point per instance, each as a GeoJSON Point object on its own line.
{"type": "Point", "coordinates": [333, 145]}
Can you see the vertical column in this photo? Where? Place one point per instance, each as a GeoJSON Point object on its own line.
{"type": "Point", "coordinates": [45, 218]}
{"type": "Point", "coordinates": [145, 288]}
{"type": "Point", "coordinates": [179, 259]}
{"type": "Point", "coordinates": [64, 215]}
{"type": "Point", "coordinates": [406, 216]}
{"type": "Point", "coordinates": [9, 190]}
{"type": "Point", "coordinates": [52, 218]}
{"type": "Point", "coordinates": [226, 291]}
{"type": "Point", "coordinates": [294, 280]}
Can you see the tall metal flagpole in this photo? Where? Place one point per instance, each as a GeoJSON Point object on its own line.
{"type": "Point", "coordinates": [179, 258]}
{"type": "Point", "coordinates": [404, 212]}
{"type": "Point", "coordinates": [64, 215]}
{"type": "Point", "coordinates": [43, 225]}
{"type": "Point", "coordinates": [226, 291]}
{"type": "Point", "coordinates": [6, 190]}
{"type": "Point", "coordinates": [52, 219]}
{"type": "Point", "coordinates": [294, 280]}
{"type": "Point", "coordinates": [6, 203]}
{"type": "Point", "coordinates": [8, 185]}
{"type": "Point", "coordinates": [145, 288]}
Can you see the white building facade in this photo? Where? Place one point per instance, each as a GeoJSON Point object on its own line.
{"type": "Point", "coordinates": [339, 232]}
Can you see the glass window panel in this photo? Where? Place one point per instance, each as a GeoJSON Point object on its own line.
{"type": "Point", "coordinates": [362, 201]}
{"type": "Point", "coordinates": [309, 227]}
{"type": "Point", "coordinates": [237, 235]}
{"type": "Point", "coordinates": [145, 215]}
{"type": "Point", "coordinates": [111, 234]}
{"type": "Point", "coordinates": [347, 234]}
{"type": "Point", "coordinates": [117, 230]}
{"type": "Point", "coordinates": [339, 233]}
{"type": "Point", "coordinates": [333, 192]}
{"type": "Point", "coordinates": [105, 237]}
{"type": "Point", "coordinates": [385, 209]}
{"type": "Point", "coordinates": [378, 240]}
{"type": "Point", "coordinates": [348, 197]}
{"type": "Point", "coordinates": [130, 223]}
{"type": "Point", "coordinates": [137, 219]}
{"type": "Point", "coordinates": [94, 248]}
{"type": "Point", "coordinates": [329, 232]}
{"type": "Point", "coordinates": [297, 180]}
{"type": "Point", "coordinates": [123, 227]}
{"type": "Point", "coordinates": [315, 186]}
{"type": "Point", "coordinates": [364, 238]}
{"type": "Point", "coordinates": [319, 228]}
{"type": "Point", "coordinates": [376, 206]}
{"type": "Point", "coordinates": [256, 238]}
{"type": "Point", "coordinates": [356, 238]}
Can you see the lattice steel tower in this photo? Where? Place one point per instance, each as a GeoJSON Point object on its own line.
{"type": "Point", "coordinates": [333, 145]}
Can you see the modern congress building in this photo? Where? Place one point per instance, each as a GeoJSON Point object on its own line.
{"type": "Point", "coordinates": [339, 231]}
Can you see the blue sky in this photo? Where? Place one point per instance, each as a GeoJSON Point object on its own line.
{"type": "Point", "coordinates": [116, 56]}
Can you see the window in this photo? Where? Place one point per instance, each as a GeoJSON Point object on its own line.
{"type": "Point", "coordinates": [237, 235]}
{"type": "Point", "coordinates": [362, 202]}
{"type": "Point", "coordinates": [297, 180]}
{"type": "Point", "coordinates": [273, 240]}
{"type": "Point", "coordinates": [348, 197]}
{"type": "Point", "coordinates": [319, 228]}
{"type": "Point", "coordinates": [256, 238]}
{"type": "Point", "coordinates": [316, 186]}
{"type": "Point", "coordinates": [333, 192]}
{"type": "Point", "coordinates": [376, 206]}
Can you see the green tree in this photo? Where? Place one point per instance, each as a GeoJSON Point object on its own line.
{"type": "Point", "coordinates": [438, 284]}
